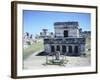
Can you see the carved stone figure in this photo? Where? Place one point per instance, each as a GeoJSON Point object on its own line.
{"type": "Point", "coordinates": [57, 55]}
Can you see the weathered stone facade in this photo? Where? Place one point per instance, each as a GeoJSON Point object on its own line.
{"type": "Point", "coordinates": [67, 40]}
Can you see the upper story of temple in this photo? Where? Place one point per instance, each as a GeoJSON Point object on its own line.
{"type": "Point", "coordinates": [67, 29]}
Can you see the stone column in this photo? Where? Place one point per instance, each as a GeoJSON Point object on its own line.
{"type": "Point", "coordinates": [66, 49]}
{"type": "Point", "coordinates": [60, 49]}
{"type": "Point", "coordinates": [73, 47]}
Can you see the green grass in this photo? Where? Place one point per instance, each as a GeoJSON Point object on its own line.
{"type": "Point", "coordinates": [32, 49]}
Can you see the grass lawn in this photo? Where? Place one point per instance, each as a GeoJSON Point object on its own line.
{"type": "Point", "coordinates": [32, 49]}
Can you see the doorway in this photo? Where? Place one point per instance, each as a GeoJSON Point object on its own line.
{"type": "Point", "coordinates": [52, 49]}
{"type": "Point", "coordinates": [76, 49]}
{"type": "Point", "coordinates": [65, 33]}
{"type": "Point", "coordinates": [58, 48]}
{"type": "Point", "coordinates": [69, 49]}
{"type": "Point", "coordinates": [63, 49]}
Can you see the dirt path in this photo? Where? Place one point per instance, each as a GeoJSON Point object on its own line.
{"type": "Point", "coordinates": [36, 62]}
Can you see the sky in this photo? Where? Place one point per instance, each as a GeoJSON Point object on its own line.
{"type": "Point", "coordinates": [35, 21]}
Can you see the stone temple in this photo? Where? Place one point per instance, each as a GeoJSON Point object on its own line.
{"type": "Point", "coordinates": [67, 39]}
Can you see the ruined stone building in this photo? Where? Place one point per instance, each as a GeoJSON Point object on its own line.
{"type": "Point", "coordinates": [67, 39]}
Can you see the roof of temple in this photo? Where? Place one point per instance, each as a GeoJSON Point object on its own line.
{"type": "Point", "coordinates": [66, 23]}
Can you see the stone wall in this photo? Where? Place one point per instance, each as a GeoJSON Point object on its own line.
{"type": "Point", "coordinates": [81, 49]}
{"type": "Point", "coordinates": [72, 29]}
{"type": "Point", "coordinates": [68, 39]}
